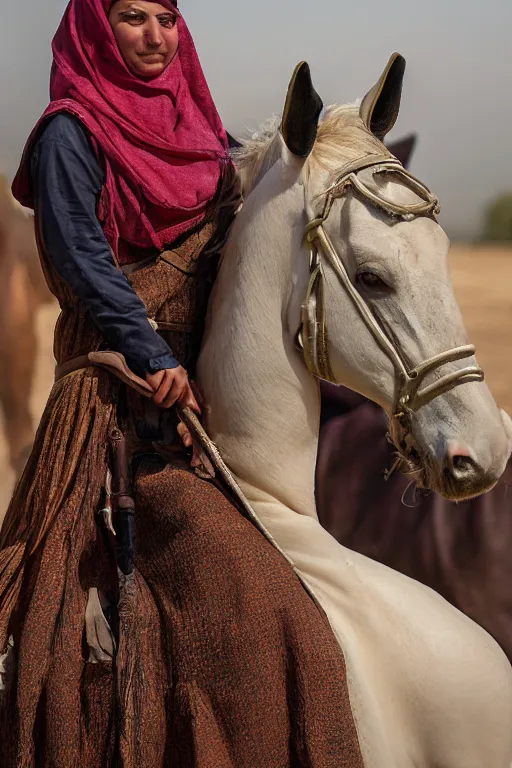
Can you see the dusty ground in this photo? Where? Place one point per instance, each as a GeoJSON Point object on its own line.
{"type": "Point", "coordinates": [483, 283]}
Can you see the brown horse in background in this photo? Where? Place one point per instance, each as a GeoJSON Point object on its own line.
{"type": "Point", "coordinates": [23, 291]}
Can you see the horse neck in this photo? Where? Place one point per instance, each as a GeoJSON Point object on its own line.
{"type": "Point", "coordinates": [263, 407]}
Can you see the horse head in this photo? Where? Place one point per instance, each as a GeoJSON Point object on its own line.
{"type": "Point", "coordinates": [363, 294]}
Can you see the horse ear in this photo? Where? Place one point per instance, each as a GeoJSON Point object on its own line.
{"type": "Point", "coordinates": [403, 149]}
{"type": "Point", "coordinates": [301, 112]}
{"type": "Point", "coordinates": [380, 107]}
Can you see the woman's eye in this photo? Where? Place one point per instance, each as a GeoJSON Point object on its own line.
{"type": "Point", "coordinates": [371, 281]}
{"type": "Point", "coordinates": [133, 18]}
{"type": "Point", "coordinates": [168, 22]}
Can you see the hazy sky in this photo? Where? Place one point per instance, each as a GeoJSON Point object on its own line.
{"type": "Point", "coordinates": [457, 91]}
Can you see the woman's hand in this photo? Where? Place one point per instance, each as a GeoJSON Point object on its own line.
{"type": "Point", "coordinates": [172, 386]}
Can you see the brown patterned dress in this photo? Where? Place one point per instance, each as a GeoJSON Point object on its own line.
{"type": "Point", "coordinates": [212, 654]}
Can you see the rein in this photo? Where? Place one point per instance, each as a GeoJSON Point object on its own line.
{"type": "Point", "coordinates": [312, 337]}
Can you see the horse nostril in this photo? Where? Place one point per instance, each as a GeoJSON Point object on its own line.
{"type": "Point", "coordinates": [463, 475]}
{"type": "Point", "coordinates": [463, 464]}
{"type": "Point", "coordinates": [460, 464]}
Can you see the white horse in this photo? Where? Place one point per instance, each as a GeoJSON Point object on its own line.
{"type": "Point", "coordinates": [428, 686]}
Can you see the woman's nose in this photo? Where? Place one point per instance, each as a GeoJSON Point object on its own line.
{"type": "Point", "coordinates": [153, 33]}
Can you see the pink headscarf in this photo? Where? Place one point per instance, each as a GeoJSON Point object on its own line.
{"type": "Point", "coordinates": [162, 141]}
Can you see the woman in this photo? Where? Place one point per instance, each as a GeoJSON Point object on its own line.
{"type": "Point", "coordinates": [190, 643]}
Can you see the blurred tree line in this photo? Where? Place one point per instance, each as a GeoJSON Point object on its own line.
{"type": "Point", "coordinates": [498, 220]}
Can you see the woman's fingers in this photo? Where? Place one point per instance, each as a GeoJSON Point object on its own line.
{"type": "Point", "coordinates": [188, 442]}
{"type": "Point", "coordinates": [188, 400]}
{"type": "Point", "coordinates": [185, 435]}
{"type": "Point", "coordinates": [155, 379]}
{"type": "Point", "coordinates": [174, 392]}
{"type": "Point", "coordinates": [172, 386]}
{"type": "Point", "coordinates": [162, 382]}
{"type": "Point", "coordinates": [171, 383]}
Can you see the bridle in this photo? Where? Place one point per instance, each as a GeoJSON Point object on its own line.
{"type": "Point", "coordinates": [312, 337]}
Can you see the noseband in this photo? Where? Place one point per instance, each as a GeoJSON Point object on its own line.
{"type": "Point", "coordinates": [313, 338]}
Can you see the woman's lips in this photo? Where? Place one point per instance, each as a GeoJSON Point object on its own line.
{"type": "Point", "coordinates": [152, 58]}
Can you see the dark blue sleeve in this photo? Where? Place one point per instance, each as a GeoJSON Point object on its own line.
{"type": "Point", "coordinates": [67, 181]}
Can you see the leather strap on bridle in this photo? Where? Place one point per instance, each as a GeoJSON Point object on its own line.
{"type": "Point", "coordinates": [313, 337]}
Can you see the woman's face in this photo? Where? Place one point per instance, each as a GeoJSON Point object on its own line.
{"type": "Point", "coordinates": [147, 35]}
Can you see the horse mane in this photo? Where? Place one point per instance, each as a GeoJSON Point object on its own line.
{"type": "Point", "coordinates": [259, 152]}
{"type": "Point", "coordinates": [341, 137]}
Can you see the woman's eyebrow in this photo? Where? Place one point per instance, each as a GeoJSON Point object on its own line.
{"type": "Point", "coordinates": [133, 7]}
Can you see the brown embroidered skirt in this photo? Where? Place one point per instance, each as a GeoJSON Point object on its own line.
{"type": "Point", "coordinates": [222, 660]}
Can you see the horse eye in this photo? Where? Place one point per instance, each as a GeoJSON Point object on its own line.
{"type": "Point", "coordinates": [371, 281]}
